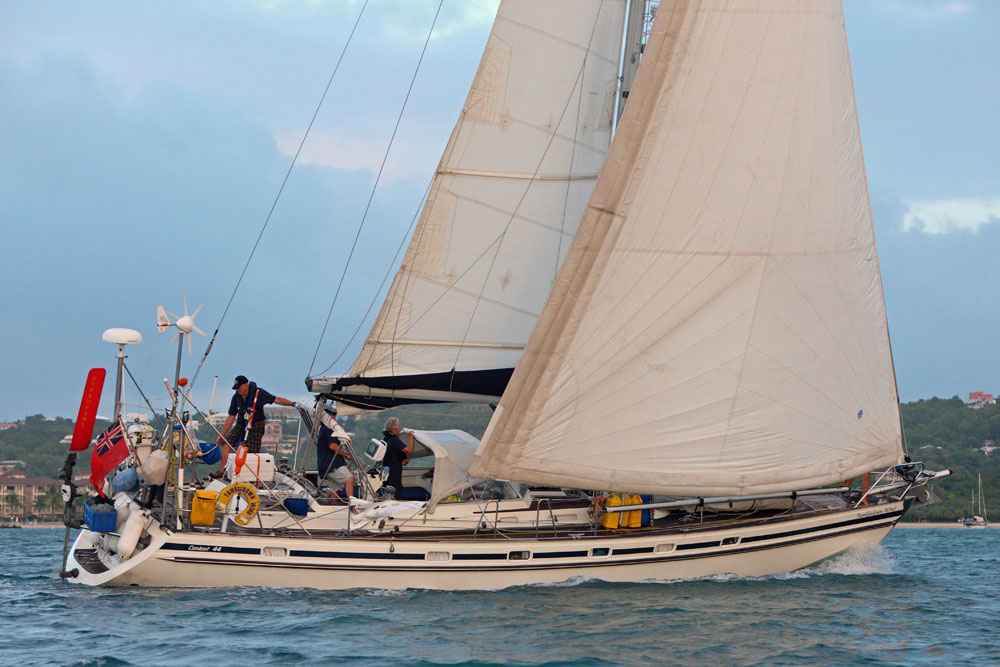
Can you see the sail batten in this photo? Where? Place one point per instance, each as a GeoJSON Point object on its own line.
{"type": "Point", "coordinates": [506, 198]}
{"type": "Point", "coordinates": [718, 325]}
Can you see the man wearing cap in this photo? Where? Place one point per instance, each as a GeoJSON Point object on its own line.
{"type": "Point", "coordinates": [332, 454]}
{"type": "Point", "coordinates": [248, 399]}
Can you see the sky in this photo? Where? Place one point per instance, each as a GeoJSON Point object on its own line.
{"type": "Point", "coordinates": [143, 144]}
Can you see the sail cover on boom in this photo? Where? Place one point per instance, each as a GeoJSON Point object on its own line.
{"type": "Point", "coordinates": [501, 212]}
{"type": "Point", "coordinates": [718, 326]}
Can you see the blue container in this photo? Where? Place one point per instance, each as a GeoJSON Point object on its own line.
{"type": "Point", "coordinates": [126, 480]}
{"type": "Point", "coordinates": [647, 515]}
{"type": "Point", "coordinates": [99, 521]}
{"type": "Point", "coordinates": [211, 453]}
{"type": "Point", "coordinates": [297, 506]}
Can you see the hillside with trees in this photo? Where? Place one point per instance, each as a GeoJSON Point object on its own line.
{"type": "Point", "coordinates": [941, 433]}
{"type": "Point", "coordinates": [35, 440]}
{"type": "Point", "coordinates": [945, 433]}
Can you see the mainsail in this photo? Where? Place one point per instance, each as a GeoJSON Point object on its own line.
{"type": "Point", "coordinates": [718, 326]}
{"type": "Point", "coordinates": [501, 211]}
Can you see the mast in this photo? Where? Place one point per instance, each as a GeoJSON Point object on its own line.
{"type": "Point", "coordinates": [982, 504]}
{"type": "Point", "coordinates": [635, 34]}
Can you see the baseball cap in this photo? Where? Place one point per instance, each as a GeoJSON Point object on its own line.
{"type": "Point", "coordinates": [240, 379]}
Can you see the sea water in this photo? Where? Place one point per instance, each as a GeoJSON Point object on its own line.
{"type": "Point", "coordinates": [926, 596]}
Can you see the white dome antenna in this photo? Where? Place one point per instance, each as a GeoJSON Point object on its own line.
{"type": "Point", "coordinates": [121, 338]}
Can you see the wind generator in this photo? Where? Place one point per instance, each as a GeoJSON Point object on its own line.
{"type": "Point", "coordinates": [185, 326]}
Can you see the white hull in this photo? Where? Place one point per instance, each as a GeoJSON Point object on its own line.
{"type": "Point", "coordinates": [218, 560]}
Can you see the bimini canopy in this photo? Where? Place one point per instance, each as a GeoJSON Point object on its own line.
{"type": "Point", "coordinates": [453, 451]}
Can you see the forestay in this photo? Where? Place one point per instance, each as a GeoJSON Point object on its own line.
{"type": "Point", "coordinates": [718, 327]}
{"type": "Point", "coordinates": [508, 194]}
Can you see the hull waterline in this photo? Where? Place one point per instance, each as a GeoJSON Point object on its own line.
{"type": "Point", "coordinates": [215, 560]}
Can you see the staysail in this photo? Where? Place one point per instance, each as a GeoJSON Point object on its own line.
{"type": "Point", "coordinates": [718, 326]}
{"type": "Point", "coordinates": [501, 212]}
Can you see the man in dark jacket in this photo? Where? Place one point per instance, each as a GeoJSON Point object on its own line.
{"type": "Point", "coordinates": [247, 404]}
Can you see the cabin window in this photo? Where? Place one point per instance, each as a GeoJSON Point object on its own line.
{"type": "Point", "coordinates": [438, 556]}
{"type": "Point", "coordinates": [726, 541]}
{"type": "Point", "coordinates": [519, 555]}
{"type": "Point", "coordinates": [599, 552]}
{"type": "Point", "coordinates": [664, 548]}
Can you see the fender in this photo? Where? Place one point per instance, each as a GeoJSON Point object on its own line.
{"type": "Point", "coordinates": [241, 458]}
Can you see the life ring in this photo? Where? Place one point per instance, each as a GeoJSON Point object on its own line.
{"type": "Point", "coordinates": [245, 491]}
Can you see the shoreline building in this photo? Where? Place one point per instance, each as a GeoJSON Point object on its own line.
{"type": "Point", "coordinates": [978, 399]}
{"type": "Point", "coordinates": [22, 496]}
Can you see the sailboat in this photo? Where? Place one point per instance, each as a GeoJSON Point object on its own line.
{"type": "Point", "coordinates": [681, 327]}
{"type": "Point", "coordinates": [977, 515]}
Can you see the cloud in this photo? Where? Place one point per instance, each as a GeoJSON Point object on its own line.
{"type": "Point", "coordinates": [924, 11]}
{"type": "Point", "coordinates": [413, 158]}
{"type": "Point", "coordinates": [945, 216]}
{"type": "Point", "coordinates": [114, 204]}
{"type": "Point", "coordinates": [408, 24]}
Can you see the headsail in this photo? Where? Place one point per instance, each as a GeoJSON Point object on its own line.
{"type": "Point", "coordinates": [718, 326]}
{"type": "Point", "coordinates": [501, 212]}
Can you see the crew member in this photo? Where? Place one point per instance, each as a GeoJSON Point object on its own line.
{"type": "Point", "coordinates": [248, 399]}
{"type": "Point", "coordinates": [396, 452]}
{"type": "Point", "coordinates": [332, 453]}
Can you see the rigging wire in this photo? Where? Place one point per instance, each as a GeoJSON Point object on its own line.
{"type": "Point", "coordinates": [500, 237]}
{"type": "Point", "coordinates": [371, 197]}
{"type": "Point", "coordinates": [281, 189]}
{"type": "Point", "coordinates": [430, 200]}
{"type": "Point", "coordinates": [579, 82]}
{"type": "Point", "coordinates": [148, 404]}
{"type": "Point", "coordinates": [385, 277]}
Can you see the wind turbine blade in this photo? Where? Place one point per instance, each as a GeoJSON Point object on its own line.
{"type": "Point", "coordinates": [184, 296]}
{"type": "Point", "coordinates": [174, 339]}
{"type": "Point", "coordinates": [197, 311]}
{"type": "Point", "coordinates": [172, 315]}
{"type": "Point", "coordinates": [162, 322]}
{"type": "Point", "coordinates": [189, 344]}
{"type": "Point", "coordinates": [194, 328]}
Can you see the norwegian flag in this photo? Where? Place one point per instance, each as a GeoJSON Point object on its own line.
{"type": "Point", "coordinates": [111, 449]}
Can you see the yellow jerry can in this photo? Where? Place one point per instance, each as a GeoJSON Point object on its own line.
{"type": "Point", "coordinates": [632, 519]}
{"type": "Point", "coordinates": [611, 519]}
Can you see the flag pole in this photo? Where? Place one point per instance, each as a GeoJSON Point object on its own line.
{"type": "Point", "coordinates": [82, 433]}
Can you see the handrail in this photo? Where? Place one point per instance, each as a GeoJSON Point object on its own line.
{"type": "Point", "coordinates": [725, 499]}
{"type": "Point", "coordinates": [538, 510]}
{"type": "Point", "coordinates": [496, 517]}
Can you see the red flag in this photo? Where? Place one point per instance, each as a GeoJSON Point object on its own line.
{"type": "Point", "coordinates": [84, 428]}
{"type": "Point", "coordinates": [111, 449]}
